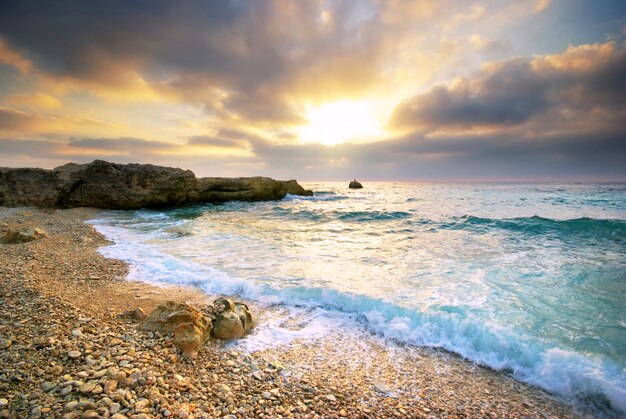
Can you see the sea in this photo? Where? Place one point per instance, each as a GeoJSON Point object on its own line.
{"type": "Point", "coordinates": [529, 278]}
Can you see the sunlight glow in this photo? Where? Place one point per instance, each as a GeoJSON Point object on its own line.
{"type": "Point", "coordinates": [338, 122]}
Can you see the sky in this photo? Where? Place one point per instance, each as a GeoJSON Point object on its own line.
{"type": "Point", "coordinates": [319, 89]}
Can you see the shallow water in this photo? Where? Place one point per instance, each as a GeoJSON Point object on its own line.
{"type": "Point", "coordinates": [530, 278]}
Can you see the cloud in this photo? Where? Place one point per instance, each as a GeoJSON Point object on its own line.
{"type": "Point", "coordinates": [13, 58]}
{"type": "Point", "coordinates": [255, 62]}
{"type": "Point", "coordinates": [206, 140]}
{"type": "Point", "coordinates": [35, 100]}
{"type": "Point", "coordinates": [488, 45]}
{"type": "Point", "coordinates": [509, 93]}
{"type": "Point", "coordinates": [230, 83]}
{"type": "Point", "coordinates": [12, 119]}
{"type": "Point", "coordinates": [541, 5]}
{"type": "Point", "coordinates": [127, 146]}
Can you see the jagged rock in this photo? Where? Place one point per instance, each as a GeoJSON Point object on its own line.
{"type": "Point", "coordinates": [355, 185]}
{"type": "Point", "coordinates": [101, 184]}
{"type": "Point", "coordinates": [22, 235]}
{"type": "Point", "coordinates": [190, 327]}
{"type": "Point", "coordinates": [232, 319]}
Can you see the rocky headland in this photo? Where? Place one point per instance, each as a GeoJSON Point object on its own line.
{"type": "Point", "coordinates": [75, 342]}
{"type": "Point", "coordinates": [101, 184]}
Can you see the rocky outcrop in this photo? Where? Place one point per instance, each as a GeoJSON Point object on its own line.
{"type": "Point", "coordinates": [22, 235]}
{"type": "Point", "coordinates": [190, 327]}
{"type": "Point", "coordinates": [355, 185]}
{"type": "Point", "coordinates": [101, 184]}
{"type": "Point", "coordinates": [224, 319]}
{"type": "Point", "coordinates": [232, 320]}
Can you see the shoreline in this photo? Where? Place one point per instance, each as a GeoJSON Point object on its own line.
{"type": "Point", "coordinates": [76, 297]}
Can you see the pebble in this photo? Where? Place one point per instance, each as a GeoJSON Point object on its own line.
{"type": "Point", "coordinates": [142, 404]}
{"type": "Point", "coordinates": [74, 354]}
{"type": "Point", "coordinates": [5, 343]}
{"type": "Point", "coordinates": [87, 387]}
{"type": "Point", "coordinates": [3, 402]}
{"type": "Point", "coordinates": [110, 386]}
{"type": "Point", "coordinates": [114, 408]}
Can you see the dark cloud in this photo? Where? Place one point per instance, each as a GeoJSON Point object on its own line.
{"type": "Point", "coordinates": [122, 144]}
{"type": "Point", "coordinates": [12, 148]}
{"type": "Point", "coordinates": [234, 58]}
{"type": "Point", "coordinates": [447, 158]}
{"type": "Point", "coordinates": [480, 157]}
{"type": "Point", "coordinates": [513, 92]}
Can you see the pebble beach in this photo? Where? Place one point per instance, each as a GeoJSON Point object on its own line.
{"type": "Point", "coordinates": [69, 348]}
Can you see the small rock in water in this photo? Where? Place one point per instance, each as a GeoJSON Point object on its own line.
{"type": "Point", "coordinates": [74, 354]}
{"type": "Point", "coordinates": [3, 402]}
{"type": "Point", "coordinates": [355, 185]}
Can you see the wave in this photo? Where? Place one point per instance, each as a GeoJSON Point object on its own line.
{"type": "Point", "coordinates": [587, 227]}
{"type": "Point", "coordinates": [574, 375]}
{"type": "Point", "coordinates": [360, 216]}
{"type": "Point", "coordinates": [318, 196]}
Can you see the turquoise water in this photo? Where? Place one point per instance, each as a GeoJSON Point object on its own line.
{"type": "Point", "coordinates": [529, 278]}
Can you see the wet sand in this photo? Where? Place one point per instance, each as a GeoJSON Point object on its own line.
{"type": "Point", "coordinates": [72, 353]}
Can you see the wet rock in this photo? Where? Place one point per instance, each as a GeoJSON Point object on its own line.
{"type": "Point", "coordinates": [355, 185]}
{"type": "Point", "coordinates": [22, 235]}
{"type": "Point", "coordinates": [190, 327]}
{"type": "Point", "coordinates": [232, 319]}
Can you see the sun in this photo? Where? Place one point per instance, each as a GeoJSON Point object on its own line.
{"type": "Point", "coordinates": [341, 121]}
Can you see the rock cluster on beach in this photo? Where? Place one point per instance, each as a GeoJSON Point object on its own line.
{"type": "Point", "coordinates": [224, 319]}
{"type": "Point", "coordinates": [22, 235]}
{"type": "Point", "coordinates": [101, 184]}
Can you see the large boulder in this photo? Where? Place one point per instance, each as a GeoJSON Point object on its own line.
{"type": "Point", "coordinates": [190, 327]}
{"type": "Point", "coordinates": [22, 235]}
{"type": "Point", "coordinates": [107, 185]}
{"type": "Point", "coordinates": [232, 320]}
{"type": "Point", "coordinates": [101, 184]}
